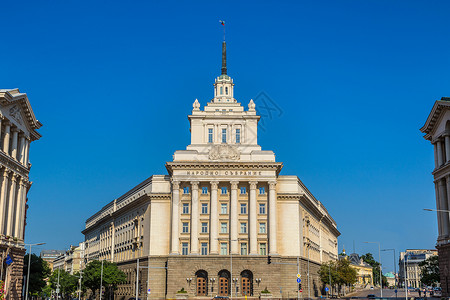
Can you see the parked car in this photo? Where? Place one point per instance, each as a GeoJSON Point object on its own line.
{"type": "Point", "coordinates": [371, 296]}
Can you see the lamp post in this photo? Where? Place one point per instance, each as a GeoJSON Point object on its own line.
{"type": "Point", "coordinates": [29, 266]}
{"type": "Point", "coordinates": [381, 275]}
{"type": "Point", "coordinates": [231, 267]}
{"type": "Point", "coordinates": [395, 266]}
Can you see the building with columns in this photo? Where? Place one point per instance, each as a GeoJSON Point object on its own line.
{"type": "Point", "coordinates": [437, 131]}
{"type": "Point", "coordinates": [18, 127]}
{"type": "Point", "coordinates": [409, 266]}
{"type": "Point", "coordinates": [209, 225]}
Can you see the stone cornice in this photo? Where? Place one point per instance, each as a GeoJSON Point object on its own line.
{"type": "Point", "coordinates": [13, 164]}
{"type": "Point", "coordinates": [206, 165]}
{"type": "Point", "coordinates": [433, 117]}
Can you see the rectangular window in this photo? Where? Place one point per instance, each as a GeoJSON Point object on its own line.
{"type": "Point", "coordinates": [243, 248]}
{"type": "Point", "coordinates": [262, 227]}
{"type": "Point", "coordinates": [243, 227]}
{"type": "Point", "coordinates": [204, 208]}
{"type": "Point", "coordinates": [224, 208]}
{"type": "Point", "coordinates": [210, 135]}
{"type": "Point", "coordinates": [186, 190]}
{"type": "Point", "coordinates": [262, 249]}
{"type": "Point", "coordinates": [223, 248]}
{"type": "Point", "coordinates": [223, 227]}
{"type": "Point", "coordinates": [204, 248]}
{"type": "Point", "coordinates": [204, 227]}
{"type": "Point", "coordinates": [224, 136]}
{"type": "Point", "coordinates": [262, 208]}
{"type": "Point", "coordinates": [238, 136]}
{"type": "Point", "coordinates": [243, 208]}
{"type": "Point", "coordinates": [262, 190]}
{"type": "Point", "coordinates": [243, 190]}
{"type": "Point", "coordinates": [185, 227]}
{"type": "Point", "coordinates": [185, 208]}
{"type": "Point", "coordinates": [224, 190]}
{"type": "Point", "coordinates": [184, 248]}
{"type": "Point", "coordinates": [204, 190]}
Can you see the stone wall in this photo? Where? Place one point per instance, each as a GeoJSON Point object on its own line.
{"type": "Point", "coordinates": [14, 273]}
{"type": "Point", "coordinates": [444, 268]}
{"type": "Point", "coordinates": [279, 277]}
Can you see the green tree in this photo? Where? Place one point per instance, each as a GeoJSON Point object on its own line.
{"type": "Point", "coordinates": [346, 274]}
{"type": "Point", "coordinates": [429, 274]}
{"type": "Point", "coordinates": [368, 258]}
{"type": "Point", "coordinates": [67, 282]}
{"type": "Point", "coordinates": [328, 274]}
{"type": "Point", "coordinates": [112, 276]}
{"type": "Point", "coordinates": [39, 270]}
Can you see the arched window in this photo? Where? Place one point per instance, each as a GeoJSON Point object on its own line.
{"type": "Point", "coordinates": [202, 282]}
{"type": "Point", "coordinates": [221, 90]}
{"type": "Point", "coordinates": [247, 283]}
{"type": "Point", "coordinates": [224, 283]}
{"type": "Point", "coordinates": [226, 90]}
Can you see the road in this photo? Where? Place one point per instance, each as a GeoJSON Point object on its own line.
{"type": "Point", "coordinates": [388, 293]}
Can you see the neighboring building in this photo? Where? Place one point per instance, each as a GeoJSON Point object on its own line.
{"type": "Point", "coordinates": [363, 269]}
{"type": "Point", "coordinates": [50, 255]}
{"type": "Point", "coordinates": [437, 131]}
{"type": "Point", "coordinates": [71, 260]}
{"type": "Point", "coordinates": [390, 277]}
{"type": "Point", "coordinates": [222, 196]}
{"type": "Point", "coordinates": [409, 261]}
{"type": "Point", "coordinates": [18, 127]}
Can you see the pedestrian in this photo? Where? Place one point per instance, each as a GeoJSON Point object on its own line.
{"type": "Point", "coordinates": [425, 293]}
{"type": "Point", "coordinates": [420, 292]}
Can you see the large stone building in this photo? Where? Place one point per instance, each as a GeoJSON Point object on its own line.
{"type": "Point", "coordinates": [18, 127]}
{"type": "Point", "coordinates": [409, 269]}
{"type": "Point", "coordinates": [364, 275]}
{"type": "Point", "coordinates": [71, 261]}
{"type": "Point", "coordinates": [437, 131]}
{"type": "Point", "coordinates": [50, 255]}
{"type": "Point", "coordinates": [211, 223]}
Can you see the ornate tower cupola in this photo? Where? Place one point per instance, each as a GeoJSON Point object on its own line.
{"type": "Point", "coordinates": [223, 86]}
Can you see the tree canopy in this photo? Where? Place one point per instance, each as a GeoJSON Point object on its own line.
{"type": "Point", "coordinates": [111, 275]}
{"type": "Point", "coordinates": [368, 258]}
{"type": "Point", "coordinates": [39, 270]}
{"type": "Point", "coordinates": [429, 274]}
{"type": "Point", "coordinates": [67, 283]}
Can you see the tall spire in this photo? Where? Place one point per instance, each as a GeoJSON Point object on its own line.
{"type": "Point", "coordinates": [224, 58]}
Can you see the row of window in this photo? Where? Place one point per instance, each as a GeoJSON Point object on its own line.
{"type": "Point", "coordinates": [224, 190]}
{"type": "Point", "coordinates": [223, 249]}
{"type": "Point", "coordinates": [223, 227]}
{"type": "Point", "coordinates": [224, 208]}
{"type": "Point", "coordinates": [224, 135]}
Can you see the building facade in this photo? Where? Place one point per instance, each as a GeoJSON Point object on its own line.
{"type": "Point", "coordinates": [50, 255]}
{"type": "Point", "coordinates": [209, 225]}
{"type": "Point", "coordinates": [364, 275]}
{"type": "Point", "coordinates": [409, 269]}
{"type": "Point", "coordinates": [437, 131]}
{"type": "Point", "coordinates": [18, 128]}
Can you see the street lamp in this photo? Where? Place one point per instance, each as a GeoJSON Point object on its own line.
{"type": "Point", "coordinates": [29, 266]}
{"type": "Point", "coordinates": [381, 275]}
{"type": "Point", "coordinates": [395, 266]}
{"type": "Point", "coordinates": [439, 210]}
{"type": "Point", "coordinates": [231, 263]}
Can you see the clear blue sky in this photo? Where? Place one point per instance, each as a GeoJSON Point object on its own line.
{"type": "Point", "coordinates": [113, 82]}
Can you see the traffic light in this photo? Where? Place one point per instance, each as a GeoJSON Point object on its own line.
{"type": "Point", "coordinates": [269, 259]}
{"type": "Point", "coordinates": [300, 287]}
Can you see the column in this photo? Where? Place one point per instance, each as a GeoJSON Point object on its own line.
{"type": "Point", "coordinates": [175, 216]}
{"type": "Point", "coordinates": [3, 199]}
{"type": "Point", "coordinates": [26, 185]}
{"type": "Point", "coordinates": [445, 206]}
{"type": "Point", "coordinates": [18, 212]}
{"type": "Point", "coordinates": [15, 134]}
{"type": "Point", "coordinates": [21, 156]}
{"type": "Point", "coordinates": [234, 218]}
{"type": "Point", "coordinates": [113, 234]}
{"type": "Point", "coordinates": [11, 211]}
{"type": "Point", "coordinates": [439, 200]}
{"type": "Point", "coordinates": [439, 153]}
{"type": "Point", "coordinates": [27, 152]}
{"type": "Point", "coordinates": [447, 148]}
{"type": "Point", "coordinates": [252, 219]}
{"type": "Point", "coordinates": [214, 219]}
{"type": "Point", "coordinates": [6, 138]}
{"type": "Point", "coordinates": [435, 155]}
{"type": "Point", "coordinates": [194, 218]}
{"type": "Point", "coordinates": [272, 217]}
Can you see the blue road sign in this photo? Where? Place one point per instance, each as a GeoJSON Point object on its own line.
{"type": "Point", "coordinates": [326, 289]}
{"type": "Point", "coordinates": [396, 291]}
{"type": "Point", "coordinates": [299, 280]}
{"type": "Point", "coordinates": [8, 260]}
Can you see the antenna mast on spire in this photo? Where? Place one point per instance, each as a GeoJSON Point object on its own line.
{"type": "Point", "coordinates": [224, 51]}
{"type": "Point", "coordinates": [223, 24]}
